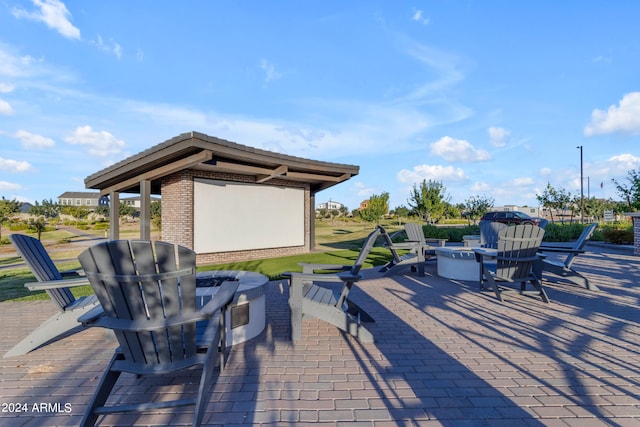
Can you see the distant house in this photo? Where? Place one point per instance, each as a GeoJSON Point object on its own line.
{"type": "Point", "coordinates": [330, 206]}
{"type": "Point", "coordinates": [136, 201]}
{"type": "Point", "coordinates": [79, 198]}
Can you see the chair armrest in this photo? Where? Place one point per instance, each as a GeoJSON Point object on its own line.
{"type": "Point", "coordinates": [333, 278]}
{"type": "Point", "coordinates": [69, 274]}
{"type": "Point", "coordinates": [55, 284]}
{"type": "Point", "coordinates": [308, 267]}
{"type": "Point", "coordinates": [560, 249]}
{"type": "Point", "coordinates": [91, 316]}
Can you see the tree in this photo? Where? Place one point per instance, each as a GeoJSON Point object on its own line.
{"type": "Point", "coordinates": [378, 207]}
{"type": "Point", "coordinates": [156, 214]}
{"type": "Point", "coordinates": [48, 209]}
{"type": "Point", "coordinates": [429, 201]}
{"type": "Point", "coordinates": [476, 206]}
{"type": "Point", "coordinates": [39, 225]}
{"type": "Point", "coordinates": [7, 209]}
{"type": "Point", "coordinates": [630, 192]}
{"type": "Point", "coordinates": [554, 199]}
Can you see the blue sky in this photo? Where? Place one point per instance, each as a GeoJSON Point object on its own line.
{"type": "Point", "coordinates": [490, 97]}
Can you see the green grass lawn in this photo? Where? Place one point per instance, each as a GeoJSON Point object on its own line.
{"type": "Point", "coordinates": [335, 243]}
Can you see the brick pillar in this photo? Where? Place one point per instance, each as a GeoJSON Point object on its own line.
{"type": "Point", "coordinates": [177, 208]}
{"type": "Point", "coordinates": [636, 234]}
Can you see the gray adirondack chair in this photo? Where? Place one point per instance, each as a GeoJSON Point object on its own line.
{"type": "Point", "coordinates": [413, 258]}
{"type": "Point", "coordinates": [53, 282]}
{"type": "Point", "coordinates": [489, 233]}
{"type": "Point", "coordinates": [513, 261]}
{"type": "Point", "coordinates": [308, 297]}
{"type": "Point", "coordinates": [565, 268]}
{"type": "Point", "coordinates": [148, 292]}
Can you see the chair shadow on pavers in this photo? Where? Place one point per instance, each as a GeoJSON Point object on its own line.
{"type": "Point", "coordinates": [57, 285]}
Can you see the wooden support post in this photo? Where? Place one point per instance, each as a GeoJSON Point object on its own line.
{"type": "Point", "coordinates": [114, 215]}
{"type": "Point", "coordinates": [145, 210]}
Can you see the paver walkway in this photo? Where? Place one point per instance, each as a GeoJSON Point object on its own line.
{"type": "Point", "coordinates": [446, 355]}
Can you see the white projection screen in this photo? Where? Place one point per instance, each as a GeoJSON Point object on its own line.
{"type": "Point", "coordinates": [232, 216]}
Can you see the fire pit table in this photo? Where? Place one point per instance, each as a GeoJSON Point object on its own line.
{"type": "Point", "coordinates": [247, 317]}
{"type": "Point", "coordinates": [457, 263]}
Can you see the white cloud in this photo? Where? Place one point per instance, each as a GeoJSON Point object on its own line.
{"type": "Point", "coordinates": [479, 187]}
{"type": "Point", "coordinates": [5, 108]}
{"type": "Point", "coordinates": [33, 141]}
{"type": "Point", "coordinates": [101, 144]}
{"type": "Point", "coordinates": [9, 186]}
{"type": "Point", "coordinates": [431, 172]}
{"type": "Point", "coordinates": [624, 118]}
{"type": "Point", "coordinates": [6, 88]}
{"type": "Point", "coordinates": [54, 14]}
{"type": "Point", "coordinates": [498, 136]}
{"type": "Point", "coordinates": [418, 16]}
{"type": "Point", "coordinates": [545, 172]}
{"type": "Point", "coordinates": [458, 150]}
{"type": "Point", "coordinates": [14, 166]}
{"type": "Point", "coordinates": [270, 72]}
{"type": "Point", "coordinates": [110, 47]}
{"type": "Point", "coordinates": [521, 182]}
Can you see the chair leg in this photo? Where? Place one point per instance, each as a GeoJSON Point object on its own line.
{"type": "Point", "coordinates": [356, 311]}
{"type": "Point", "coordinates": [206, 378]}
{"type": "Point", "coordinates": [103, 390]}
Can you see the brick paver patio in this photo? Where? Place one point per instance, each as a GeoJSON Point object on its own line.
{"type": "Point", "coordinates": [446, 355]}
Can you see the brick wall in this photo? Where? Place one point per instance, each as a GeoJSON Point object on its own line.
{"type": "Point", "coordinates": [177, 215]}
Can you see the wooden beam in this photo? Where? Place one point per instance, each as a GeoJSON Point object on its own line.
{"type": "Point", "coordinates": [316, 177]}
{"type": "Point", "coordinates": [279, 171]}
{"type": "Point", "coordinates": [178, 165]}
{"type": "Point", "coordinates": [237, 168]}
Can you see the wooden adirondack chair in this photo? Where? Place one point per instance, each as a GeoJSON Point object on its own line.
{"type": "Point", "coordinates": [413, 258]}
{"type": "Point", "coordinates": [148, 292]}
{"type": "Point", "coordinates": [565, 268]}
{"type": "Point", "coordinates": [489, 233]}
{"type": "Point", "coordinates": [309, 298]}
{"type": "Point", "coordinates": [513, 260]}
{"type": "Point", "coordinates": [53, 282]}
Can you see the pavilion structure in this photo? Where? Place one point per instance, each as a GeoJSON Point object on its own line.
{"type": "Point", "coordinates": [226, 201]}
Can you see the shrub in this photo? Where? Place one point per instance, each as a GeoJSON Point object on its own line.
{"type": "Point", "coordinates": [618, 236]}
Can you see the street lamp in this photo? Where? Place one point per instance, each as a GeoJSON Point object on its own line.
{"type": "Point", "coordinates": [581, 188]}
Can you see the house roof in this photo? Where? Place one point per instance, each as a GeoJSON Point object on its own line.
{"type": "Point", "coordinates": [195, 150]}
{"type": "Point", "coordinates": [79, 195]}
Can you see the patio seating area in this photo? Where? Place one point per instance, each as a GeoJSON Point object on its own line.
{"type": "Point", "coordinates": [445, 354]}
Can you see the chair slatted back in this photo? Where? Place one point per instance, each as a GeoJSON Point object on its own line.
{"type": "Point", "coordinates": [489, 233]}
{"type": "Point", "coordinates": [138, 280]}
{"type": "Point", "coordinates": [42, 267]}
{"type": "Point", "coordinates": [414, 232]}
{"type": "Point", "coordinates": [517, 251]}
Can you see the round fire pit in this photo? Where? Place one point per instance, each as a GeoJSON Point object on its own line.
{"type": "Point", "coordinates": [457, 263]}
{"type": "Point", "coordinates": [247, 317]}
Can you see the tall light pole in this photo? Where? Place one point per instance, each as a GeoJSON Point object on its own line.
{"type": "Point", "coordinates": [581, 188]}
